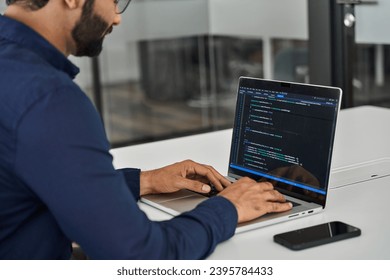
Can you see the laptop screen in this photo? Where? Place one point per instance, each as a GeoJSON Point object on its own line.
{"type": "Point", "coordinates": [283, 133]}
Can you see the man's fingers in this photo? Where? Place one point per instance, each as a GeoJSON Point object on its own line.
{"type": "Point", "coordinates": [278, 207]}
{"type": "Point", "coordinates": [266, 186]}
{"type": "Point", "coordinates": [275, 196]}
{"type": "Point", "coordinates": [219, 181]}
{"type": "Point", "coordinates": [192, 185]}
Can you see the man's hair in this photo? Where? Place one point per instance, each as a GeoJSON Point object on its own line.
{"type": "Point", "coordinates": [32, 5]}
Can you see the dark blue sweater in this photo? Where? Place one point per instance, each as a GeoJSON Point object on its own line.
{"type": "Point", "coordinates": [57, 181]}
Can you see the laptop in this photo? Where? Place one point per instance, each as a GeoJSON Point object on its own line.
{"type": "Point", "coordinates": [283, 133]}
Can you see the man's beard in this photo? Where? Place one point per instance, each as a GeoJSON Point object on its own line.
{"type": "Point", "coordinates": [89, 32]}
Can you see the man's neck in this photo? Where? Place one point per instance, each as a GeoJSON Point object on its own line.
{"type": "Point", "coordinates": [50, 24]}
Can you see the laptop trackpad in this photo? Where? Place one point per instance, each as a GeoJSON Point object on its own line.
{"type": "Point", "coordinates": [175, 203]}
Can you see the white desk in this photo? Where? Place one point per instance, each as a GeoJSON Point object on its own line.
{"type": "Point", "coordinates": [363, 135]}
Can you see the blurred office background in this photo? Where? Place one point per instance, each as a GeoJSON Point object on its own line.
{"type": "Point", "coordinates": [171, 68]}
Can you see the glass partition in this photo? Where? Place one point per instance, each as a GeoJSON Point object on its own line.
{"type": "Point", "coordinates": [171, 67]}
{"type": "Point", "coordinates": [372, 69]}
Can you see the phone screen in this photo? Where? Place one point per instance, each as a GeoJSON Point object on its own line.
{"type": "Point", "coordinates": [316, 235]}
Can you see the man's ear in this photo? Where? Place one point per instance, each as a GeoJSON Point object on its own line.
{"type": "Point", "coordinates": [74, 4]}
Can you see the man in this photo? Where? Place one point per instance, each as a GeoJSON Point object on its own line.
{"type": "Point", "coordinates": [57, 181]}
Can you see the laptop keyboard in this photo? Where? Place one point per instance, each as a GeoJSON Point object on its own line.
{"type": "Point", "coordinates": [214, 192]}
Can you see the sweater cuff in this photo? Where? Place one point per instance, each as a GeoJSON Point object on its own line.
{"type": "Point", "coordinates": [226, 213]}
{"type": "Point", "coordinates": [132, 178]}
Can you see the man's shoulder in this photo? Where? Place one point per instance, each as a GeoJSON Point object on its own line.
{"type": "Point", "coordinates": [25, 80]}
{"type": "Point", "coordinates": [23, 68]}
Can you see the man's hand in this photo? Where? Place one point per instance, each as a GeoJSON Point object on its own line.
{"type": "Point", "coordinates": [253, 199]}
{"type": "Point", "coordinates": [183, 175]}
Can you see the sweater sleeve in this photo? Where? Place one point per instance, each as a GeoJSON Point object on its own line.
{"type": "Point", "coordinates": [63, 157]}
{"type": "Point", "coordinates": [132, 178]}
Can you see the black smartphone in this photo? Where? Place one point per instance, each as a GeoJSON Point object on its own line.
{"type": "Point", "coordinates": [316, 235]}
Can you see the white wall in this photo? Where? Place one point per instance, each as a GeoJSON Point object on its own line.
{"type": "Point", "coordinates": [146, 20]}
{"type": "Point", "coordinates": [259, 18]}
{"type": "Point", "coordinates": [161, 19]}
{"type": "Point", "coordinates": [2, 6]}
{"type": "Point", "coordinates": [265, 19]}
{"type": "Point", "coordinates": [373, 22]}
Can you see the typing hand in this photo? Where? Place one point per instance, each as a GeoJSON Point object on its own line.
{"type": "Point", "coordinates": [182, 175]}
{"type": "Point", "coordinates": [253, 199]}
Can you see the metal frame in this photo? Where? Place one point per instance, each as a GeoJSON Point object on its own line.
{"type": "Point", "coordinates": [332, 45]}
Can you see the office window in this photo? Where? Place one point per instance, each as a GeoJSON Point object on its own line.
{"type": "Point", "coordinates": [290, 60]}
{"type": "Point", "coordinates": [372, 75]}
{"type": "Point", "coordinates": [175, 86]}
{"type": "Point", "coordinates": [171, 67]}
